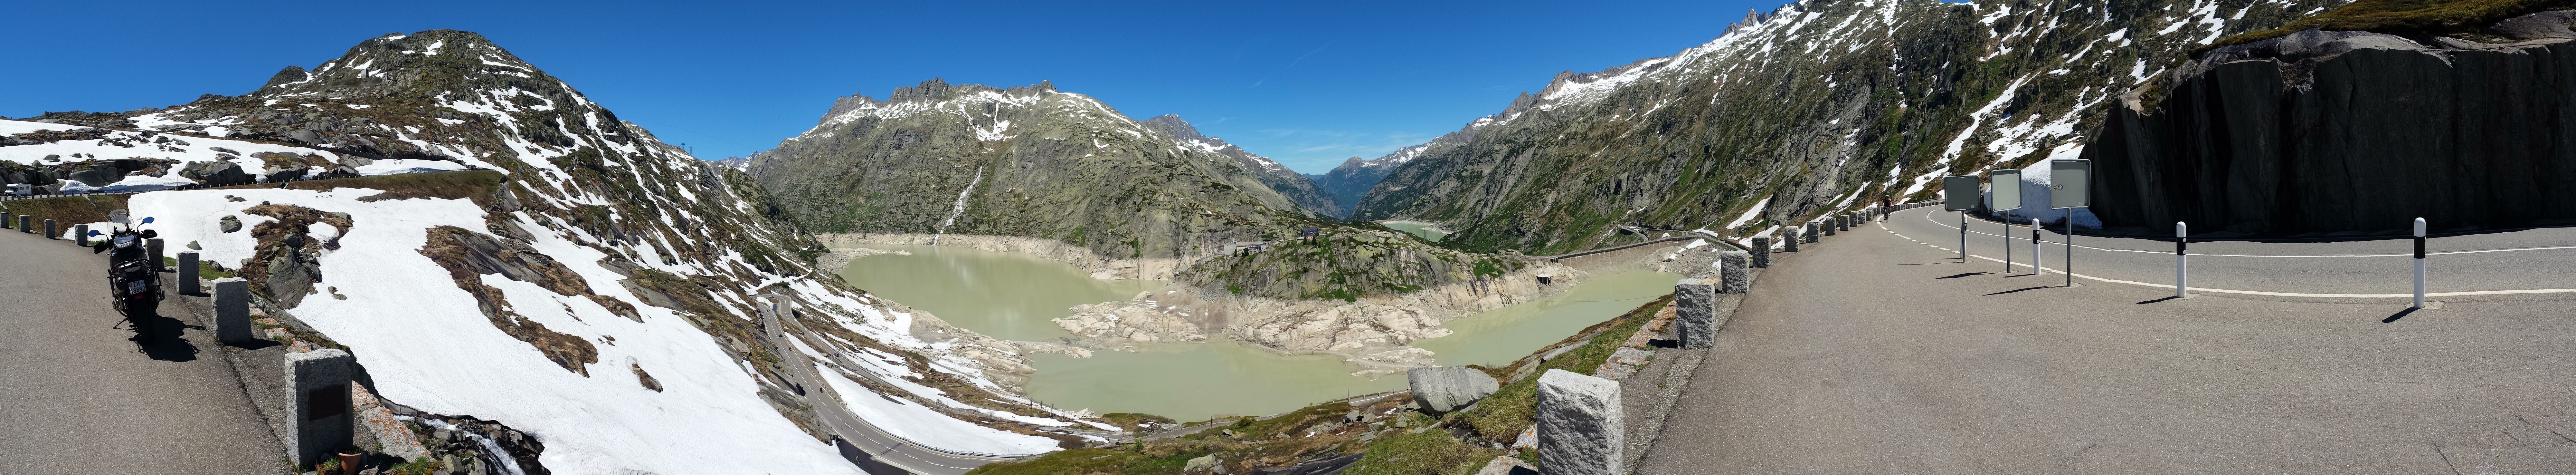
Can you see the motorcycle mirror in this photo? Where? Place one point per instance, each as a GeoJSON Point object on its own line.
{"type": "Point", "coordinates": [147, 220]}
{"type": "Point", "coordinates": [149, 234]}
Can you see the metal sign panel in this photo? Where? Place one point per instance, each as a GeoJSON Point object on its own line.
{"type": "Point", "coordinates": [2007, 189]}
{"type": "Point", "coordinates": [2066, 183]}
{"type": "Point", "coordinates": [1960, 193]}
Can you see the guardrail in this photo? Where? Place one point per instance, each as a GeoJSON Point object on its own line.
{"type": "Point", "coordinates": [203, 186]}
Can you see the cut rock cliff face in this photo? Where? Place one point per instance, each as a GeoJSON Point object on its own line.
{"type": "Point", "coordinates": [1808, 109]}
{"type": "Point", "coordinates": [583, 282]}
{"type": "Point", "coordinates": [941, 159]}
{"type": "Point", "coordinates": [2323, 132]}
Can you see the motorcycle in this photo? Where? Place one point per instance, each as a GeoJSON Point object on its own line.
{"type": "Point", "coordinates": [133, 275]}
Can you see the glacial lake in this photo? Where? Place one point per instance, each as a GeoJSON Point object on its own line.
{"type": "Point", "coordinates": [1417, 228]}
{"type": "Point", "coordinates": [1014, 296]}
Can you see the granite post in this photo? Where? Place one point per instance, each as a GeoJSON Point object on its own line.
{"type": "Point", "coordinates": [27, 223]}
{"type": "Point", "coordinates": [319, 421]}
{"type": "Point", "coordinates": [232, 311]}
{"type": "Point", "coordinates": [1580, 431]}
{"type": "Point", "coordinates": [1762, 252]}
{"type": "Point", "coordinates": [153, 246]}
{"type": "Point", "coordinates": [1790, 244]}
{"type": "Point", "coordinates": [1695, 312]}
{"type": "Point", "coordinates": [1828, 225]}
{"type": "Point", "coordinates": [188, 273]}
{"type": "Point", "coordinates": [80, 232]}
{"type": "Point", "coordinates": [7, 222]}
{"type": "Point", "coordinates": [49, 229]}
{"type": "Point", "coordinates": [1733, 266]}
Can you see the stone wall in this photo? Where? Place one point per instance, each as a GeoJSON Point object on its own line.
{"type": "Point", "coordinates": [1100, 266]}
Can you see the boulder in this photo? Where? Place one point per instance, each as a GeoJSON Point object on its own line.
{"type": "Point", "coordinates": [231, 224]}
{"type": "Point", "coordinates": [1447, 388]}
{"type": "Point", "coordinates": [1205, 463]}
{"type": "Point", "coordinates": [1580, 430]}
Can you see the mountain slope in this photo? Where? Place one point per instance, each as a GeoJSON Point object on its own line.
{"type": "Point", "coordinates": [1814, 107]}
{"type": "Point", "coordinates": [596, 290]}
{"type": "Point", "coordinates": [1026, 161]}
{"type": "Point", "coordinates": [1298, 188]}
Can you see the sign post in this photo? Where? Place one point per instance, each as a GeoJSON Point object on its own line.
{"type": "Point", "coordinates": [2182, 262]}
{"type": "Point", "coordinates": [2419, 263]}
{"type": "Point", "coordinates": [1959, 193]}
{"type": "Point", "coordinates": [2036, 258]}
{"type": "Point", "coordinates": [2066, 181]}
{"type": "Point", "coordinates": [2007, 186]}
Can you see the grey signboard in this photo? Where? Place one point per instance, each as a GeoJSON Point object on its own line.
{"type": "Point", "coordinates": [2066, 183]}
{"type": "Point", "coordinates": [2007, 188]}
{"type": "Point", "coordinates": [1960, 193]}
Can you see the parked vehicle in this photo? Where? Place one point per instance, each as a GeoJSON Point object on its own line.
{"type": "Point", "coordinates": [133, 275]}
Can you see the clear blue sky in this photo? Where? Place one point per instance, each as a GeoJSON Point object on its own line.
{"type": "Point", "coordinates": [1308, 83]}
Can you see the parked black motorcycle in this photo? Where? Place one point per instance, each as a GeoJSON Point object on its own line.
{"type": "Point", "coordinates": [133, 276]}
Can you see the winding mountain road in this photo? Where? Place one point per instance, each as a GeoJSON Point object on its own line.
{"type": "Point", "coordinates": [1878, 351]}
{"type": "Point", "coordinates": [80, 392]}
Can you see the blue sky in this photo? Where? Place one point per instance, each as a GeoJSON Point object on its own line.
{"type": "Point", "coordinates": [1308, 83]}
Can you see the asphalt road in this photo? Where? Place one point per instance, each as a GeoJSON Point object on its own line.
{"type": "Point", "coordinates": [80, 392]}
{"type": "Point", "coordinates": [884, 454]}
{"type": "Point", "coordinates": [2481, 266]}
{"type": "Point", "coordinates": [1871, 353]}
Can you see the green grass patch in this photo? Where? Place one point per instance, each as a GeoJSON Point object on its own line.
{"type": "Point", "coordinates": [2411, 18]}
{"type": "Point", "coordinates": [64, 210]}
{"type": "Point", "coordinates": [1426, 453]}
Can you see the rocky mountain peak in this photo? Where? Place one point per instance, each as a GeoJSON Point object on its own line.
{"type": "Point", "coordinates": [422, 63]}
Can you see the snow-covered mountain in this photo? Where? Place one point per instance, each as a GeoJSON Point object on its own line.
{"type": "Point", "coordinates": [1027, 161]}
{"type": "Point", "coordinates": [591, 287]}
{"type": "Point", "coordinates": [1812, 107]}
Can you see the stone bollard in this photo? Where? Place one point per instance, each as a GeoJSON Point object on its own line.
{"type": "Point", "coordinates": [1695, 312]}
{"type": "Point", "coordinates": [1790, 244]}
{"type": "Point", "coordinates": [49, 229]}
{"type": "Point", "coordinates": [81, 233]}
{"type": "Point", "coordinates": [1843, 223]}
{"type": "Point", "coordinates": [1808, 233]}
{"type": "Point", "coordinates": [232, 311]}
{"type": "Point", "coordinates": [7, 222]}
{"type": "Point", "coordinates": [320, 417]}
{"type": "Point", "coordinates": [1580, 431]}
{"type": "Point", "coordinates": [153, 246]}
{"type": "Point", "coordinates": [1732, 266]}
{"type": "Point", "coordinates": [27, 223]}
{"type": "Point", "coordinates": [1828, 225]}
{"type": "Point", "coordinates": [188, 273]}
{"type": "Point", "coordinates": [1762, 252]}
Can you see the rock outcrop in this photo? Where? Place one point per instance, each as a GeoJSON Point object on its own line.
{"type": "Point", "coordinates": [2322, 132]}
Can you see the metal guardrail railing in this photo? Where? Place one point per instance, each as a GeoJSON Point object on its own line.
{"type": "Point", "coordinates": [205, 186]}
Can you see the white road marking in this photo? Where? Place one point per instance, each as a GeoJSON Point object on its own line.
{"type": "Point", "coordinates": [1928, 217]}
{"type": "Point", "coordinates": [2277, 294]}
